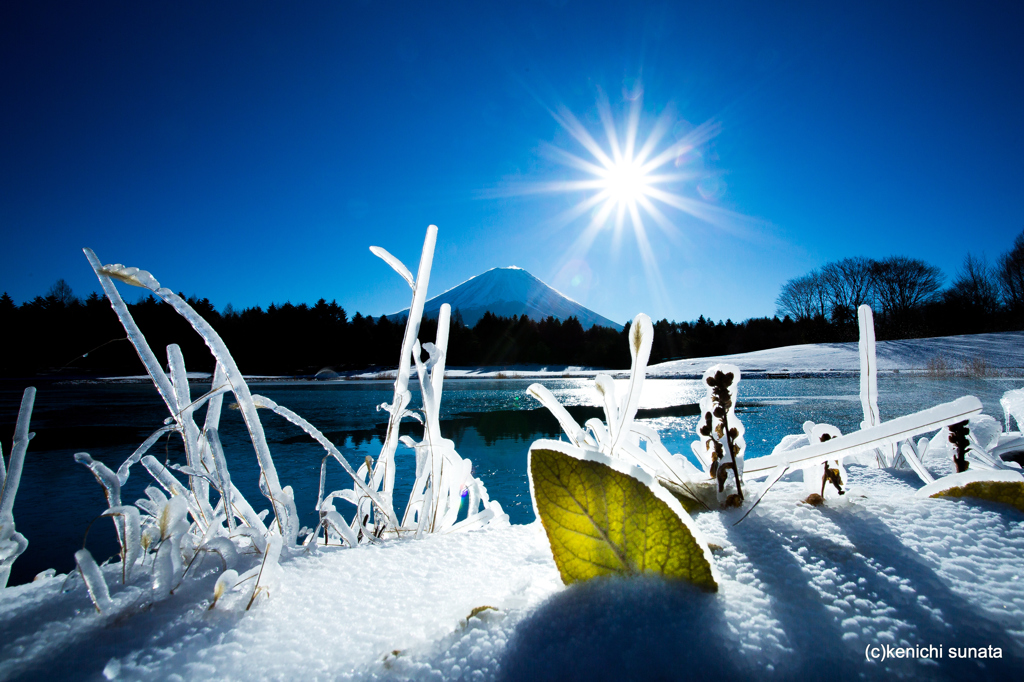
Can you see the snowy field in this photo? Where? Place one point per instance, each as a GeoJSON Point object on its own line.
{"type": "Point", "coordinates": [805, 590]}
{"type": "Point", "coordinates": [999, 352]}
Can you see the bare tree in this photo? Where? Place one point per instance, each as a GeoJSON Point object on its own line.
{"type": "Point", "coordinates": [848, 283]}
{"type": "Point", "coordinates": [1010, 273]}
{"type": "Point", "coordinates": [60, 293]}
{"type": "Point", "coordinates": [803, 298]}
{"type": "Point", "coordinates": [975, 289]}
{"type": "Point", "coordinates": [902, 284]}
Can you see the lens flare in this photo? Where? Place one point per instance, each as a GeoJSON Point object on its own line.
{"type": "Point", "coordinates": [637, 176]}
{"type": "Point", "coordinates": [630, 179]}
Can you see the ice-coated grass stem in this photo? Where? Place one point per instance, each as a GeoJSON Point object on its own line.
{"type": "Point", "coordinates": [12, 477]}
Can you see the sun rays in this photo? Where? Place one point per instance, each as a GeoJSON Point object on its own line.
{"type": "Point", "coordinates": [633, 180]}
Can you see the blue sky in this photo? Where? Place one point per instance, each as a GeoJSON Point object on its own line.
{"type": "Point", "coordinates": [252, 152]}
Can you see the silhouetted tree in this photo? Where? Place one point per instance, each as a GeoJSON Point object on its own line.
{"type": "Point", "coordinates": [1010, 272]}
{"type": "Point", "coordinates": [803, 298]}
{"type": "Point", "coordinates": [903, 284]}
{"type": "Point", "coordinates": [849, 286]}
{"type": "Point", "coordinates": [974, 295]}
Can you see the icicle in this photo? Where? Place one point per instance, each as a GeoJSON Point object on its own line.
{"type": "Point", "coordinates": [266, 403]}
{"type": "Point", "coordinates": [160, 379]}
{"type": "Point", "coordinates": [218, 386]}
{"type": "Point", "coordinates": [12, 543]}
{"type": "Point", "coordinates": [605, 386]}
{"type": "Point", "coordinates": [129, 536]}
{"type": "Point", "coordinates": [569, 425]}
{"type": "Point", "coordinates": [168, 482]}
{"type": "Point", "coordinates": [190, 432]}
{"type": "Point", "coordinates": [94, 581]}
{"type": "Point", "coordinates": [910, 454]}
{"type": "Point", "coordinates": [333, 519]}
{"type": "Point", "coordinates": [107, 478]}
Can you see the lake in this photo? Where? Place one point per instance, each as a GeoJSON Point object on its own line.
{"type": "Point", "coordinates": [492, 422]}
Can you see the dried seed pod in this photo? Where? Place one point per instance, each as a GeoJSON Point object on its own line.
{"type": "Point", "coordinates": [958, 437]}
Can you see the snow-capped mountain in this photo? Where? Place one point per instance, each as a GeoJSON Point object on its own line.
{"type": "Point", "coordinates": [506, 292]}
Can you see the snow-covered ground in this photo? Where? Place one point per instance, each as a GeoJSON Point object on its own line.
{"type": "Point", "coordinates": [805, 591]}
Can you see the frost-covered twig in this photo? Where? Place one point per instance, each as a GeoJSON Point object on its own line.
{"type": "Point", "coordinates": [442, 476]}
{"type": "Point", "coordinates": [619, 435]}
{"type": "Point", "coordinates": [177, 525]}
{"type": "Point", "coordinates": [12, 543]}
{"type": "Point", "coordinates": [182, 523]}
{"type": "Point", "coordinates": [887, 453]}
{"type": "Point", "coordinates": [868, 439]}
{"type": "Point", "coordinates": [383, 473]}
{"type": "Point", "coordinates": [175, 394]}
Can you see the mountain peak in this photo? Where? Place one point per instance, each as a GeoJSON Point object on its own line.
{"type": "Point", "coordinates": [507, 291]}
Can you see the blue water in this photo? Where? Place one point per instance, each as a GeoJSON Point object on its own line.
{"type": "Point", "coordinates": [492, 423]}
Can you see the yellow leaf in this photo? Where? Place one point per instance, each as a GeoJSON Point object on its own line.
{"type": "Point", "coordinates": [600, 521]}
{"type": "Point", "coordinates": [1007, 492]}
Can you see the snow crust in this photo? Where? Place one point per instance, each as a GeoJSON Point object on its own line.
{"type": "Point", "coordinates": [803, 591]}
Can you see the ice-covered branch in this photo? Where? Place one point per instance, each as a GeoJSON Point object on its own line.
{"type": "Point", "coordinates": [12, 543]}
{"type": "Point", "coordinates": [619, 436]}
{"type": "Point", "coordinates": [383, 475]}
{"type": "Point", "coordinates": [175, 393]}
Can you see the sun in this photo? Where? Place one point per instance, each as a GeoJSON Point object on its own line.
{"type": "Point", "coordinates": [634, 174]}
{"type": "Point", "coordinates": [636, 177]}
{"type": "Point", "coordinates": [625, 181]}
{"type": "Point", "coordinates": [632, 180]}
{"type": "Point", "coordinates": [651, 177]}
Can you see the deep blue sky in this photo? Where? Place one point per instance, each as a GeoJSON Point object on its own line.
{"type": "Point", "coordinates": [250, 152]}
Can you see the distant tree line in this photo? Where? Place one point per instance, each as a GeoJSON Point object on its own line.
{"type": "Point", "coordinates": [907, 296]}
{"type": "Point", "coordinates": [60, 333]}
